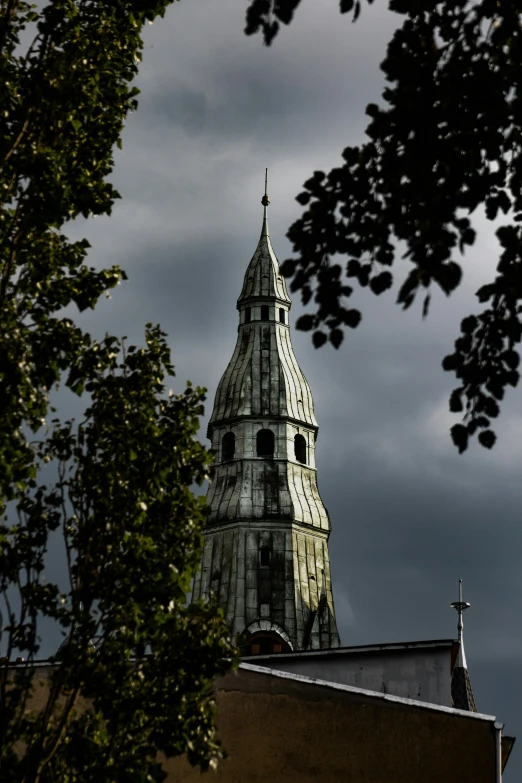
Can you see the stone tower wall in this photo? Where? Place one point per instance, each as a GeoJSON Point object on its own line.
{"type": "Point", "coordinates": [280, 595]}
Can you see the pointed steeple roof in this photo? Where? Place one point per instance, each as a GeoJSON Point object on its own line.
{"type": "Point", "coordinates": [263, 377]}
{"type": "Point", "coordinates": [263, 278]}
{"type": "Point", "coordinates": [461, 691]}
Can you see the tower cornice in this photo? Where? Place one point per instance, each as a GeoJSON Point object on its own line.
{"type": "Point", "coordinates": [230, 421]}
{"type": "Point", "coordinates": [259, 299]}
{"type": "Point", "coordinates": [277, 525]}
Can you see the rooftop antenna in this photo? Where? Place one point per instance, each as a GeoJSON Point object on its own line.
{"type": "Point", "coordinates": [461, 606]}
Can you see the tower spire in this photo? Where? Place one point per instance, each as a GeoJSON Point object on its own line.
{"type": "Point", "coordinates": [460, 683]}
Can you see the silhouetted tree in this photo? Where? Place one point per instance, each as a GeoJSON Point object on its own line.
{"type": "Point", "coordinates": [121, 502]}
{"type": "Point", "coordinates": [446, 139]}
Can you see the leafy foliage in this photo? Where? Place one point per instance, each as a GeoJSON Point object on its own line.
{"type": "Point", "coordinates": [448, 139]}
{"type": "Point", "coordinates": [63, 104]}
{"type": "Point", "coordinates": [122, 505]}
{"type": "Point", "coordinates": [132, 532]}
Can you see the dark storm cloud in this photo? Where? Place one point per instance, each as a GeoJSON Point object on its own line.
{"type": "Point", "coordinates": [409, 515]}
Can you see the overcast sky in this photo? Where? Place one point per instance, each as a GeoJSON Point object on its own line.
{"type": "Point", "coordinates": [409, 515]}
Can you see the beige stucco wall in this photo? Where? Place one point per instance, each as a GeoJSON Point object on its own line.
{"type": "Point", "coordinates": [285, 730]}
{"type": "Point", "coordinates": [272, 737]}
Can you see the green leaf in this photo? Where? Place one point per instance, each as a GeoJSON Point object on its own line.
{"type": "Point", "coordinates": [336, 337]}
{"type": "Point", "coordinates": [288, 267]}
{"type": "Point", "coordinates": [318, 338]}
{"type": "Point", "coordinates": [459, 436]}
{"type": "Point", "coordinates": [455, 402]}
{"type": "Point", "coordinates": [468, 325]}
{"type": "Point", "coordinates": [305, 322]}
{"type": "Point", "coordinates": [487, 439]}
{"type": "Point", "coordinates": [352, 318]}
{"type": "Point", "coordinates": [381, 282]}
{"type": "Point", "coordinates": [345, 6]}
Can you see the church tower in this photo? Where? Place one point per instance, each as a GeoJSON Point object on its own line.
{"type": "Point", "coordinates": [266, 540]}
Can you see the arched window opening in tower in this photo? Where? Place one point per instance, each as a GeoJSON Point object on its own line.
{"type": "Point", "coordinates": [281, 315]}
{"type": "Point", "coordinates": [228, 446]}
{"type": "Point", "coordinates": [264, 557]}
{"type": "Point", "coordinates": [300, 449]}
{"type": "Point", "coordinates": [265, 443]}
{"type": "Point", "coordinates": [265, 643]}
{"type": "Point", "coordinates": [248, 315]}
{"type": "Point", "coordinates": [264, 313]}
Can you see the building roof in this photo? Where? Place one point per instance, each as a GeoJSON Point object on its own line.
{"type": "Point", "coordinates": [263, 278]}
{"type": "Point", "coordinates": [263, 377]}
{"type": "Point", "coordinates": [290, 681]}
{"type": "Point", "coordinates": [458, 690]}
{"type": "Point", "coordinates": [461, 691]}
{"type": "Point", "coordinates": [339, 651]}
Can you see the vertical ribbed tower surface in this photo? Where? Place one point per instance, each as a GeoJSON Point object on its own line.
{"type": "Point", "coordinates": [266, 541]}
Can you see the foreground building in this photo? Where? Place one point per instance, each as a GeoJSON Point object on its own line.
{"type": "Point", "coordinates": [280, 727]}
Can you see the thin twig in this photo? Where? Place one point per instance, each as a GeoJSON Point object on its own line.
{"type": "Point", "coordinates": [20, 135]}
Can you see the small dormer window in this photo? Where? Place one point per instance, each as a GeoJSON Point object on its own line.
{"type": "Point", "coordinates": [265, 313]}
{"type": "Point", "coordinates": [300, 449]}
{"type": "Point", "coordinates": [228, 446]}
{"type": "Point", "coordinates": [264, 557]}
{"type": "Point", "coordinates": [282, 315]}
{"type": "Point", "coordinates": [248, 315]}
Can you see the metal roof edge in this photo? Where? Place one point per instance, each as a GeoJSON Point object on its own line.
{"type": "Point", "coordinates": [363, 692]}
{"type": "Point", "coordinates": [361, 648]}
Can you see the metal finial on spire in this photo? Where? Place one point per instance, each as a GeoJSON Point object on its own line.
{"type": "Point", "coordinates": [265, 201]}
{"type": "Point", "coordinates": [461, 606]}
